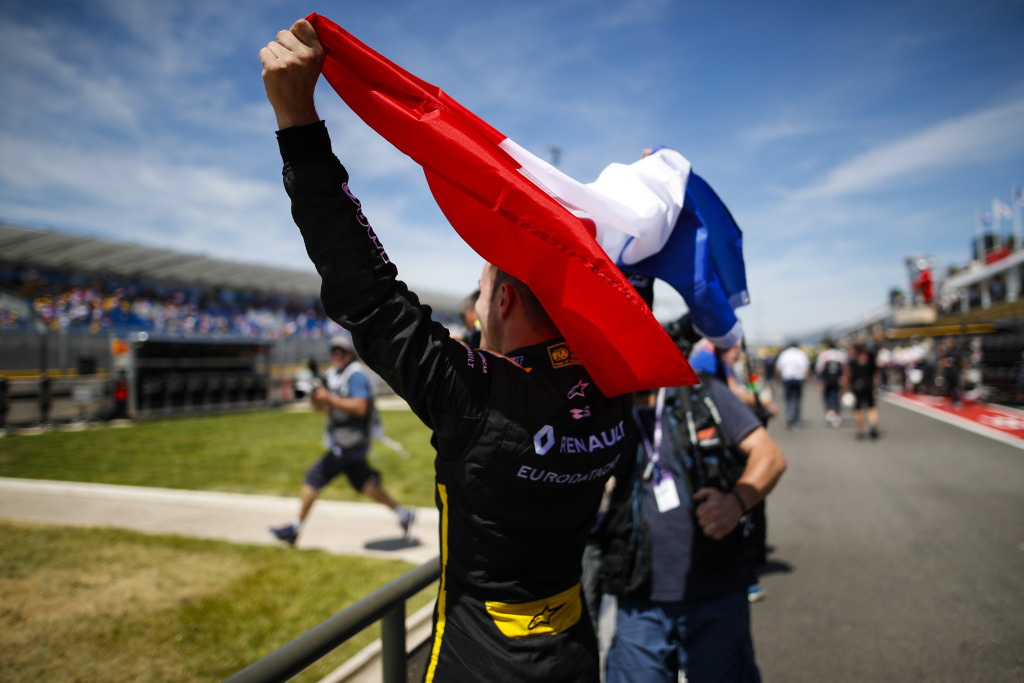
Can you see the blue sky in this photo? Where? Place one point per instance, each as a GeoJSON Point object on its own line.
{"type": "Point", "coordinates": [843, 136]}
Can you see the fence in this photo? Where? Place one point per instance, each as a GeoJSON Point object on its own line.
{"type": "Point", "coordinates": [49, 377]}
{"type": "Point", "coordinates": [386, 605]}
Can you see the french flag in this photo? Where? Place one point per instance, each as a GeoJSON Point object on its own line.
{"type": "Point", "coordinates": [496, 204]}
{"type": "Point", "coordinates": [657, 217]}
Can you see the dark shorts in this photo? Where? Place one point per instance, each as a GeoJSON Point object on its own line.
{"type": "Point", "coordinates": [865, 399]}
{"type": "Point", "coordinates": [351, 461]}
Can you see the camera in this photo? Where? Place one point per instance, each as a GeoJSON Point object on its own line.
{"type": "Point", "coordinates": [683, 333]}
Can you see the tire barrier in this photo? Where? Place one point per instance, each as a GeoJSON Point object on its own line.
{"type": "Point", "coordinates": [42, 403]}
{"type": "Point", "coordinates": [198, 393]}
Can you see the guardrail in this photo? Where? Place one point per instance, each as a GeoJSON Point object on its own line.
{"type": "Point", "coordinates": [386, 605]}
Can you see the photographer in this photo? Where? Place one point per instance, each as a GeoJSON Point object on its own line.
{"type": "Point", "coordinates": [680, 548]}
{"type": "Point", "coordinates": [343, 394]}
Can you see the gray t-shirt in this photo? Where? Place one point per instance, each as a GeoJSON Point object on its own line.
{"type": "Point", "coordinates": [676, 574]}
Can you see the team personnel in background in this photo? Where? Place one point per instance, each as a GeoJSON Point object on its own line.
{"type": "Point", "coordinates": [682, 587]}
{"type": "Point", "coordinates": [862, 383]}
{"type": "Point", "coordinates": [769, 371]}
{"type": "Point", "coordinates": [953, 362]}
{"type": "Point", "coordinates": [471, 337]}
{"type": "Point", "coordinates": [345, 396]}
{"type": "Point", "coordinates": [706, 357]}
{"type": "Point", "coordinates": [792, 366]}
{"type": "Point", "coordinates": [830, 368]}
{"type": "Point", "coordinates": [525, 441]}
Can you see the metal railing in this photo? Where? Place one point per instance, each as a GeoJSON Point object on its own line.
{"type": "Point", "coordinates": [386, 605]}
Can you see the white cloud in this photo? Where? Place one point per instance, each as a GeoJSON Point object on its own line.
{"type": "Point", "coordinates": [808, 287]}
{"type": "Point", "coordinates": [983, 136]}
{"type": "Point", "coordinates": [147, 121]}
{"type": "Point", "coordinates": [764, 133]}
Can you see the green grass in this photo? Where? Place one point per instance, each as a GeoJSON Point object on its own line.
{"type": "Point", "coordinates": [261, 452]}
{"type": "Point", "coordinates": [106, 605]}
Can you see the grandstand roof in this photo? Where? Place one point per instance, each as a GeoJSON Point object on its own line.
{"type": "Point", "coordinates": [975, 275]}
{"type": "Point", "coordinates": [64, 251]}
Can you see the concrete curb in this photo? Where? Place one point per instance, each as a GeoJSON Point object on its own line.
{"type": "Point", "coordinates": [343, 528]}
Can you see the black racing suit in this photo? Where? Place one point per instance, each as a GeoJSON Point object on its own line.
{"type": "Point", "coordinates": [524, 446]}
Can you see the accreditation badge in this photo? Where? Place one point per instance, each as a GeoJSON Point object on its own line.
{"type": "Point", "coordinates": [666, 495]}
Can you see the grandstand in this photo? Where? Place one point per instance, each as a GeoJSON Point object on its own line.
{"type": "Point", "coordinates": [92, 329]}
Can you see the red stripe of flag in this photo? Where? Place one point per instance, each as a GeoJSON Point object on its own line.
{"type": "Point", "coordinates": [508, 220]}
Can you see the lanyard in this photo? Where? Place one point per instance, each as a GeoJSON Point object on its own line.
{"type": "Point", "coordinates": [653, 449]}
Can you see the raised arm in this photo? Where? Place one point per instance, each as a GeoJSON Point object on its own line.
{"type": "Point", "coordinates": [291, 68]}
{"type": "Point", "coordinates": [392, 332]}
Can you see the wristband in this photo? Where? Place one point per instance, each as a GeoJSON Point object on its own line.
{"type": "Point", "coordinates": [743, 506]}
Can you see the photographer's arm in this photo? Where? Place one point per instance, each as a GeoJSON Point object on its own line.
{"type": "Point", "coordinates": [719, 512]}
{"type": "Point", "coordinates": [324, 400]}
{"type": "Point", "coordinates": [765, 465]}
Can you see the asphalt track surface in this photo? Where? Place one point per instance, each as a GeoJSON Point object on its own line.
{"type": "Point", "coordinates": [900, 559]}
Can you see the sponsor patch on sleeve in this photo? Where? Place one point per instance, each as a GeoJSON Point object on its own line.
{"type": "Point", "coordinates": [561, 356]}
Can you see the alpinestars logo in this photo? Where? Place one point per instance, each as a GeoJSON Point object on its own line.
{"type": "Point", "coordinates": [544, 617]}
{"type": "Point", "coordinates": [579, 391]}
{"type": "Point", "coordinates": [580, 413]}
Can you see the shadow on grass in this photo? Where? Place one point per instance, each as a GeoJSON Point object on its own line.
{"type": "Point", "coordinates": [392, 544]}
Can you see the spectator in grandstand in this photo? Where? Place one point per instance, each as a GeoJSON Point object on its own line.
{"type": "Point", "coordinates": [344, 395]}
{"type": "Point", "coordinates": [830, 368]}
{"type": "Point", "coordinates": [792, 367]}
{"type": "Point", "coordinates": [861, 380]}
{"type": "Point", "coordinates": [67, 300]}
{"type": "Point", "coordinates": [518, 476]}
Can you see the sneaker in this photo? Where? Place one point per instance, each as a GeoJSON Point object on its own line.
{"type": "Point", "coordinates": [287, 533]}
{"type": "Point", "coordinates": [755, 593]}
{"type": "Point", "coordinates": [406, 518]}
{"type": "Point", "coordinates": [874, 433]}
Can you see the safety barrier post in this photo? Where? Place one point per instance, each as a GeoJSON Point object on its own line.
{"type": "Point", "coordinates": [392, 640]}
{"type": "Point", "coordinates": [386, 604]}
